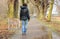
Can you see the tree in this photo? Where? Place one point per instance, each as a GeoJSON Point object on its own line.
{"type": "Point", "coordinates": [10, 8]}
{"type": "Point", "coordinates": [57, 6]}
{"type": "Point", "coordinates": [50, 10]}
{"type": "Point", "coordinates": [42, 6]}
{"type": "Point", "coordinates": [22, 1]}
{"type": "Point", "coordinates": [16, 4]}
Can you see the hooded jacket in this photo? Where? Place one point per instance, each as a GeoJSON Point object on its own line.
{"type": "Point", "coordinates": [22, 13]}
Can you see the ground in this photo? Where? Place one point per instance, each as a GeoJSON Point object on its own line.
{"type": "Point", "coordinates": [36, 30]}
{"type": "Point", "coordinates": [54, 24]}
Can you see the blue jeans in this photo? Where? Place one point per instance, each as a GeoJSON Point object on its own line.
{"type": "Point", "coordinates": [24, 26]}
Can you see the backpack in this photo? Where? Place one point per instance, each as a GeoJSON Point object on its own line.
{"type": "Point", "coordinates": [24, 17]}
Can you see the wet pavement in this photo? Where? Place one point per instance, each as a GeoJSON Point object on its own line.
{"type": "Point", "coordinates": [35, 30]}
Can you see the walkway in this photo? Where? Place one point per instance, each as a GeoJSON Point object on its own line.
{"type": "Point", "coordinates": [35, 31]}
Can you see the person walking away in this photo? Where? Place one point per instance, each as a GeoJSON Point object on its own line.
{"type": "Point", "coordinates": [24, 17]}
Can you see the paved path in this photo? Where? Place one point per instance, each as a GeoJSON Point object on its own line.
{"type": "Point", "coordinates": [34, 31]}
{"type": "Point", "coordinates": [55, 35]}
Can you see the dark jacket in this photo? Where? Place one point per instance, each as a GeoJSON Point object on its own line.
{"type": "Point", "coordinates": [22, 14]}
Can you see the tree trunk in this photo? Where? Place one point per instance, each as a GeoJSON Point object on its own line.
{"type": "Point", "coordinates": [16, 8]}
{"type": "Point", "coordinates": [26, 1]}
{"type": "Point", "coordinates": [11, 9]}
{"type": "Point", "coordinates": [22, 1]}
{"type": "Point", "coordinates": [41, 13]}
{"type": "Point", "coordinates": [50, 10]}
{"type": "Point", "coordinates": [41, 10]}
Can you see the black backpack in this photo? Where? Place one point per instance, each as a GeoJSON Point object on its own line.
{"type": "Point", "coordinates": [24, 17]}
